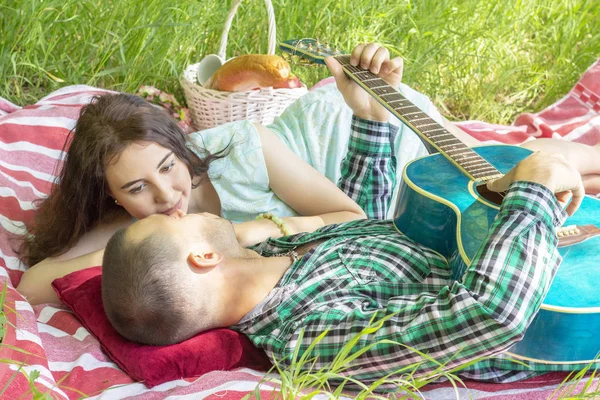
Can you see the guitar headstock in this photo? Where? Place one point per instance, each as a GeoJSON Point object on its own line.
{"type": "Point", "coordinates": [307, 51]}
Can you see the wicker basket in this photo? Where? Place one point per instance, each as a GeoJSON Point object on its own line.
{"type": "Point", "coordinates": [209, 108]}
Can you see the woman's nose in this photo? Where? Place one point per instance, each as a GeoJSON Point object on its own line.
{"type": "Point", "coordinates": [164, 194]}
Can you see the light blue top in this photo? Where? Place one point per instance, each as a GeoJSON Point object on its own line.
{"type": "Point", "coordinates": [316, 127]}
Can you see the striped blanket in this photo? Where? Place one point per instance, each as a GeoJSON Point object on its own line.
{"type": "Point", "coordinates": [45, 347]}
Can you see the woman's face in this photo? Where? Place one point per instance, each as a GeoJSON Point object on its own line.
{"type": "Point", "coordinates": [148, 179]}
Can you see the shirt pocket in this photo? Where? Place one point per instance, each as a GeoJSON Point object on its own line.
{"type": "Point", "coordinates": [367, 263]}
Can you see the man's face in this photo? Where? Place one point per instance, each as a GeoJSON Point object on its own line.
{"type": "Point", "coordinates": [187, 229]}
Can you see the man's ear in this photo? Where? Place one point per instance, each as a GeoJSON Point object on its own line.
{"type": "Point", "coordinates": [204, 259]}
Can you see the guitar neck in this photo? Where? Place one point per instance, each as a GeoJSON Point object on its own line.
{"type": "Point", "coordinates": [431, 133]}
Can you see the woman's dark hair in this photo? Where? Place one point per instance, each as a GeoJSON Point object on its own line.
{"type": "Point", "coordinates": [79, 198]}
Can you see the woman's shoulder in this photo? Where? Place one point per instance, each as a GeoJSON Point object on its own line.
{"type": "Point", "coordinates": [232, 133]}
{"type": "Point", "coordinates": [242, 144]}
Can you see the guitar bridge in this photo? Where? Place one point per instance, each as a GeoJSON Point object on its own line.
{"type": "Point", "coordinates": [572, 234]}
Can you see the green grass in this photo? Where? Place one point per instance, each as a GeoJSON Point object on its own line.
{"type": "Point", "coordinates": [488, 59]}
{"type": "Point", "coordinates": [301, 380]}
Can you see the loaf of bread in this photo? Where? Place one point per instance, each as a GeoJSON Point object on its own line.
{"type": "Point", "coordinates": [253, 71]}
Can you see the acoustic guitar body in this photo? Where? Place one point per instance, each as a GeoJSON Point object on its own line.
{"type": "Point", "coordinates": [441, 208]}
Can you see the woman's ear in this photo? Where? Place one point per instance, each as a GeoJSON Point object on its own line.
{"type": "Point", "coordinates": [204, 259]}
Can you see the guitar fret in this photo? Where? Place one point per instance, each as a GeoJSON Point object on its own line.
{"type": "Point", "coordinates": [397, 100]}
{"type": "Point", "coordinates": [440, 129]}
{"type": "Point", "coordinates": [476, 157]}
{"type": "Point", "coordinates": [407, 114]}
{"type": "Point", "coordinates": [478, 177]}
{"type": "Point", "coordinates": [422, 119]}
{"type": "Point", "coordinates": [409, 108]}
{"type": "Point", "coordinates": [485, 172]}
{"type": "Point", "coordinates": [430, 129]}
{"type": "Point", "coordinates": [466, 156]}
{"type": "Point", "coordinates": [483, 168]}
{"type": "Point", "coordinates": [452, 145]}
{"type": "Point", "coordinates": [470, 162]}
{"type": "Point", "coordinates": [480, 168]}
{"type": "Point", "coordinates": [445, 133]}
{"type": "Point", "coordinates": [458, 159]}
{"type": "Point", "coordinates": [452, 151]}
{"type": "Point", "coordinates": [385, 90]}
{"type": "Point", "coordinates": [463, 150]}
{"type": "Point", "coordinates": [442, 141]}
{"type": "Point", "coordinates": [431, 124]}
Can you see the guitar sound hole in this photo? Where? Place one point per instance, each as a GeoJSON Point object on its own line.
{"type": "Point", "coordinates": [492, 197]}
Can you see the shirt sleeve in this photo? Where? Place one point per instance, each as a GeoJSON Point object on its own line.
{"type": "Point", "coordinates": [369, 168]}
{"type": "Point", "coordinates": [482, 315]}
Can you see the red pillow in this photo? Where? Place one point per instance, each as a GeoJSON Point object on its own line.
{"type": "Point", "coordinates": [218, 349]}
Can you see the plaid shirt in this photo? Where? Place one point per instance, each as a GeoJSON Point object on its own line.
{"type": "Point", "coordinates": [365, 269]}
{"type": "Point", "coordinates": [369, 169]}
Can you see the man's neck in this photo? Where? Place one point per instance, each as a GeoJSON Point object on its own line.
{"type": "Point", "coordinates": [255, 277]}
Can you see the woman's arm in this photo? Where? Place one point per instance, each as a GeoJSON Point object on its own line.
{"type": "Point", "coordinates": [302, 187]}
{"type": "Point", "coordinates": [35, 283]}
{"type": "Point", "coordinates": [318, 200]}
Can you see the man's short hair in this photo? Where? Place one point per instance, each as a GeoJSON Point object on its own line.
{"type": "Point", "coordinates": [143, 290]}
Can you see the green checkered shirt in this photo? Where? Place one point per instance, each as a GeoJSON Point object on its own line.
{"type": "Point", "coordinates": [365, 270]}
{"type": "Point", "coordinates": [369, 168]}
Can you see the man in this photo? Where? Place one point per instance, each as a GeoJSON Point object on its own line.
{"type": "Point", "coordinates": [167, 278]}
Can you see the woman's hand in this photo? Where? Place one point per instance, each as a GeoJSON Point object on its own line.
{"type": "Point", "coordinates": [253, 232]}
{"type": "Point", "coordinates": [377, 60]}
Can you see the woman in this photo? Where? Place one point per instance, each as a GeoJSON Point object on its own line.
{"type": "Point", "coordinates": [129, 160]}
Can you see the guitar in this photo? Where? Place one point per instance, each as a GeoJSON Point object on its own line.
{"type": "Point", "coordinates": [460, 210]}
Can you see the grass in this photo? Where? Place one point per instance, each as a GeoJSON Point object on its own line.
{"type": "Point", "coordinates": [476, 59]}
{"type": "Point", "coordinates": [301, 380]}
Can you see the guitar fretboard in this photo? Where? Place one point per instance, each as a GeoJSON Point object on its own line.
{"type": "Point", "coordinates": [429, 130]}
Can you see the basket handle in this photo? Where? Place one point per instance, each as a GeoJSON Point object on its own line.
{"type": "Point", "coordinates": [272, 29]}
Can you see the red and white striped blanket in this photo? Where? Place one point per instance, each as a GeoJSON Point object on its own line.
{"type": "Point", "coordinates": [50, 340]}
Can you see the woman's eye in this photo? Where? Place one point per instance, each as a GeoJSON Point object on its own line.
{"type": "Point", "coordinates": [167, 168]}
{"type": "Point", "coordinates": [137, 189]}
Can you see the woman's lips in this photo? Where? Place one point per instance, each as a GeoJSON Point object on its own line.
{"type": "Point", "coordinates": [172, 209]}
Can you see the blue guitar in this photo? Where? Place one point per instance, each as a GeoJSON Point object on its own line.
{"type": "Point", "coordinates": [444, 204]}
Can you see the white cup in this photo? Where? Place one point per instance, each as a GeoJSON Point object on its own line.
{"type": "Point", "coordinates": [207, 67]}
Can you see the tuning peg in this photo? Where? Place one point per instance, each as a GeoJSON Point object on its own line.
{"type": "Point", "coordinates": [310, 47]}
{"type": "Point", "coordinates": [300, 44]}
{"type": "Point", "coordinates": [317, 43]}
